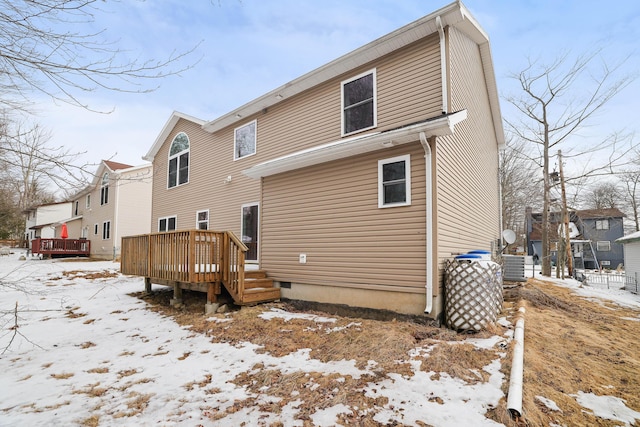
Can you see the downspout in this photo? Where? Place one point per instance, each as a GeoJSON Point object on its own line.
{"type": "Point", "coordinates": [443, 66]}
{"type": "Point", "coordinates": [429, 222]}
{"type": "Point", "coordinates": [514, 400]}
{"type": "Point", "coordinates": [114, 239]}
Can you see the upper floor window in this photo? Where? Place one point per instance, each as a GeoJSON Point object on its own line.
{"type": "Point", "coordinates": [359, 103]}
{"type": "Point", "coordinates": [179, 160]}
{"type": "Point", "coordinates": [104, 189]}
{"type": "Point", "coordinates": [106, 230]}
{"type": "Point", "coordinates": [202, 220]}
{"type": "Point", "coordinates": [394, 181]}
{"type": "Point", "coordinates": [76, 208]}
{"type": "Point", "coordinates": [167, 223]}
{"type": "Point", "coordinates": [87, 203]}
{"type": "Point", "coordinates": [603, 246]}
{"type": "Point", "coordinates": [602, 224]}
{"type": "Point", "coordinates": [244, 144]}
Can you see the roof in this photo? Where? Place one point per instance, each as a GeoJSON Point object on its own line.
{"type": "Point", "coordinates": [441, 125]}
{"type": "Point", "coordinates": [454, 14]}
{"type": "Point", "coordinates": [114, 166]}
{"type": "Point", "coordinates": [600, 213]}
{"type": "Point", "coordinates": [633, 237]}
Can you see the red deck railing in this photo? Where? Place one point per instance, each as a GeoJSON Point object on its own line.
{"type": "Point", "coordinates": [61, 247]}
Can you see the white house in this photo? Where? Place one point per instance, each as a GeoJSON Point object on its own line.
{"type": "Point", "coordinates": [42, 220]}
{"type": "Point", "coordinates": [631, 244]}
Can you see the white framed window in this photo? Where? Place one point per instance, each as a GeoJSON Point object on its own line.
{"type": "Point", "coordinates": [87, 202]}
{"type": "Point", "coordinates": [605, 262]}
{"type": "Point", "coordinates": [76, 207]}
{"type": "Point", "coordinates": [602, 224]}
{"type": "Point", "coordinates": [106, 230]}
{"type": "Point", "coordinates": [178, 170]}
{"type": "Point", "coordinates": [95, 229]}
{"type": "Point", "coordinates": [104, 189]}
{"type": "Point", "coordinates": [603, 246]}
{"type": "Point", "coordinates": [359, 103]}
{"type": "Point", "coordinates": [394, 181]}
{"type": "Point", "coordinates": [167, 223]}
{"type": "Point", "coordinates": [245, 140]}
{"type": "Point", "coordinates": [202, 220]}
{"type": "Point", "coordinates": [250, 230]}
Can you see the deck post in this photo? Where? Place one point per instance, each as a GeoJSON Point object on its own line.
{"type": "Point", "coordinates": [177, 295]}
{"type": "Point", "coordinates": [147, 285]}
{"type": "Point", "coordinates": [212, 298]}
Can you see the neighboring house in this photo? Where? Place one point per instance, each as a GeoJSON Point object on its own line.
{"type": "Point", "coordinates": [352, 183]}
{"type": "Point", "coordinates": [41, 221]}
{"type": "Point", "coordinates": [117, 203]}
{"type": "Point", "coordinates": [593, 233]}
{"type": "Point", "coordinates": [631, 244]}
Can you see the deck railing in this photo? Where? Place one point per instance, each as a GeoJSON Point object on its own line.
{"type": "Point", "coordinates": [77, 247]}
{"type": "Point", "coordinates": [187, 256]}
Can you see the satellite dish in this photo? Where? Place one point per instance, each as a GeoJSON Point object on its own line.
{"type": "Point", "coordinates": [509, 236]}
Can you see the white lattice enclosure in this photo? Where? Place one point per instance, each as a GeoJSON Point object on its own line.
{"type": "Point", "coordinates": [472, 294]}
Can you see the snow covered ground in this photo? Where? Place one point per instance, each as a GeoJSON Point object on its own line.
{"type": "Point", "coordinates": [80, 351]}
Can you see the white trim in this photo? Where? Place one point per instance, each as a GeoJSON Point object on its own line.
{"type": "Point", "coordinates": [406, 158]}
{"type": "Point", "coordinates": [198, 220]}
{"type": "Point", "coordinates": [177, 157]}
{"type": "Point", "coordinates": [360, 144]}
{"type": "Point", "coordinates": [375, 102]}
{"type": "Point", "coordinates": [246, 205]}
{"type": "Point", "coordinates": [106, 224]}
{"type": "Point", "coordinates": [608, 244]}
{"type": "Point", "coordinates": [166, 131]}
{"type": "Point", "coordinates": [255, 140]}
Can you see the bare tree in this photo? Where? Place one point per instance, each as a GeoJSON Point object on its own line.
{"type": "Point", "coordinates": [630, 182]}
{"type": "Point", "coordinates": [520, 184]}
{"type": "Point", "coordinates": [603, 195]}
{"type": "Point", "coordinates": [48, 46]}
{"type": "Point", "coordinates": [556, 101]}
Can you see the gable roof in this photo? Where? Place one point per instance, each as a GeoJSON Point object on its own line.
{"type": "Point", "coordinates": [166, 130]}
{"type": "Point", "coordinates": [114, 166]}
{"type": "Point", "coordinates": [600, 213]}
{"type": "Point", "coordinates": [454, 14]}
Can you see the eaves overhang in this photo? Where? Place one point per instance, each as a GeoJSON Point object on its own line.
{"type": "Point", "coordinates": [343, 148]}
{"type": "Point", "coordinates": [633, 237]}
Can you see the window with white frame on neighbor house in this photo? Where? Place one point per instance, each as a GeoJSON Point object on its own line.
{"type": "Point", "coordinates": [106, 230]}
{"type": "Point", "coordinates": [95, 229]}
{"type": "Point", "coordinates": [603, 245]}
{"type": "Point", "coordinates": [602, 224]}
{"type": "Point", "coordinates": [202, 220]}
{"type": "Point", "coordinates": [394, 181]}
{"type": "Point", "coordinates": [87, 204]}
{"type": "Point", "coordinates": [104, 189]}
{"type": "Point", "coordinates": [359, 103]}
{"type": "Point", "coordinates": [244, 140]}
{"type": "Point", "coordinates": [167, 223]}
{"type": "Point", "coordinates": [178, 171]}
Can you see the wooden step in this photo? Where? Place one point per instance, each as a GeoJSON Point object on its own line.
{"type": "Point", "coordinates": [257, 295]}
{"type": "Point", "coordinates": [255, 274]}
{"type": "Point", "coordinates": [258, 283]}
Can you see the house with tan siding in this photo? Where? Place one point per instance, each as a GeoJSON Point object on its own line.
{"type": "Point", "coordinates": [117, 203]}
{"type": "Point", "coordinates": [353, 183]}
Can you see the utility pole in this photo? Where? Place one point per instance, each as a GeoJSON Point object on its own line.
{"type": "Point", "coordinates": [565, 218]}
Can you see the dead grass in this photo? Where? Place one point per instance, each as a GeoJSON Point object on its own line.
{"type": "Point", "coordinates": [571, 345]}
{"type": "Point", "coordinates": [62, 376]}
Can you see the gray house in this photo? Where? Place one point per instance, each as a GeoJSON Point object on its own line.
{"type": "Point", "coordinates": [593, 234]}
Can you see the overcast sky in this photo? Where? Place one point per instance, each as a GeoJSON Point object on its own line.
{"type": "Point", "coordinates": [247, 48]}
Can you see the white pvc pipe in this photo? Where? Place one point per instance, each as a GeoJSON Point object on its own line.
{"type": "Point", "coordinates": [514, 400]}
{"type": "Point", "coordinates": [429, 223]}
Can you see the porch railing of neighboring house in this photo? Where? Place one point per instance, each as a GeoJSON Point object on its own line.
{"type": "Point", "coordinates": [613, 280]}
{"type": "Point", "coordinates": [60, 247]}
{"type": "Point", "coordinates": [188, 256]}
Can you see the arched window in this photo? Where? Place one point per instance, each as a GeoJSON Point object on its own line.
{"type": "Point", "coordinates": [104, 189]}
{"type": "Point", "coordinates": [179, 160]}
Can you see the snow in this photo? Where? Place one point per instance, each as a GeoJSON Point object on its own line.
{"type": "Point", "coordinates": [608, 407]}
{"type": "Point", "coordinates": [83, 347]}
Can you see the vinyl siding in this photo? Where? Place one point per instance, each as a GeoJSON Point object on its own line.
{"type": "Point", "coordinates": [632, 259]}
{"type": "Point", "coordinates": [210, 162]}
{"type": "Point", "coordinates": [330, 213]}
{"type": "Point", "coordinates": [134, 204]}
{"type": "Point", "coordinates": [98, 214]}
{"type": "Point", "coordinates": [467, 213]}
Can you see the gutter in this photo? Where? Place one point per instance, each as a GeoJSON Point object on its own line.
{"type": "Point", "coordinates": [429, 223]}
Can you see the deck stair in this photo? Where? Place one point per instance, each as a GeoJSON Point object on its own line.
{"type": "Point", "coordinates": [258, 288]}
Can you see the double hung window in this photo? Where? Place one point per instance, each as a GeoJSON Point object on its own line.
{"type": "Point", "coordinates": [244, 144]}
{"type": "Point", "coordinates": [202, 220]}
{"type": "Point", "coordinates": [359, 103]}
{"type": "Point", "coordinates": [104, 189]}
{"type": "Point", "coordinates": [394, 181]}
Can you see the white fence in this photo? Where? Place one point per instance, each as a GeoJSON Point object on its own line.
{"type": "Point", "coordinates": [612, 280]}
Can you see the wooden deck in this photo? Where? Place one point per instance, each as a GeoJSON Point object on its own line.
{"type": "Point", "coordinates": [60, 247]}
{"type": "Point", "coordinates": [201, 260]}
